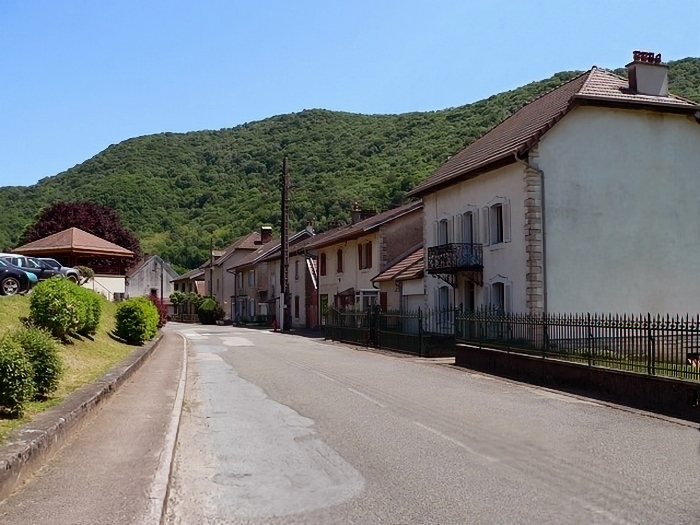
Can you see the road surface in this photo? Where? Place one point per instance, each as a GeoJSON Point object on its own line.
{"type": "Point", "coordinates": [288, 430]}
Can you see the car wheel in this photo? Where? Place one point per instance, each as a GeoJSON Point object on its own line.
{"type": "Point", "coordinates": [10, 286]}
{"type": "Point", "coordinates": [73, 278]}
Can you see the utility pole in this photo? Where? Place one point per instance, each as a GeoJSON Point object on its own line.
{"type": "Point", "coordinates": [285, 299]}
{"type": "Point", "coordinates": [211, 266]}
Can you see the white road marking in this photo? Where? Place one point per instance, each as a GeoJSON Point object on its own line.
{"type": "Point", "coordinates": [370, 399]}
{"type": "Point", "coordinates": [324, 376]}
{"type": "Point", "coordinates": [455, 442]}
{"type": "Point", "coordinates": [237, 341]}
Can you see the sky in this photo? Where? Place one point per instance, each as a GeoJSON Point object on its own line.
{"type": "Point", "coordinates": [79, 75]}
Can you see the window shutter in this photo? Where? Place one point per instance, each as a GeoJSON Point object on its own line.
{"type": "Point", "coordinates": [360, 260]}
{"type": "Point", "coordinates": [458, 221]}
{"type": "Point", "coordinates": [506, 221]}
{"type": "Point", "coordinates": [436, 234]}
{"type": "Point", "coordinates": [487, 294]}
{"type": "Point", "coordinates": [383, 302]}
{"type": "Point", "coordinates": [451, 230]}
{"type": "Point", "coordinates": [485, 224]}
{"type": "Point", "coordinates": [475, 226]}
{"type": "Point", "coordinates": [369, 255]}
{"type": "Point", "coordinates": [508, 306]}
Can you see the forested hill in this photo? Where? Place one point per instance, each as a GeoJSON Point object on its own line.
{"type": "Point", "coordinates": [173, 189]}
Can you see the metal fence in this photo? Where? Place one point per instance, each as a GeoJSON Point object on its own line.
{"type": "Point", "coordinates": [654, 345]}
{"type": "Point", "coordinates": [419, 332]}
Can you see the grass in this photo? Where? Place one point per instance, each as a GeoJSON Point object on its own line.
{"type": "Point", "coordinates": [85, 359]}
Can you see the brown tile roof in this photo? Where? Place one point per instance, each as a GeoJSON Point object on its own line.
{"type": "Point", "coordinates": [410, 267]}
{"type": "Point", "coordinates": [359, 229]}
{"type": "Point", "coordinates": [76, 241]}
{"type": "Point", "coordinates": [520, 131]}
{"type": "Point", "coordinates": [193, 275]}
{"type": "Point", "coordinates": [271, 250]}
{"type": "Point", "coordinates": [246, 242]}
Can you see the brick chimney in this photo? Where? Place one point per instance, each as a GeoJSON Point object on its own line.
{"type": "Point", "coordinates": [265, 234]}
{"type": "Point", "coordinates": [356, 212]}
{"type": "Point", "coordinates": [647, 75]}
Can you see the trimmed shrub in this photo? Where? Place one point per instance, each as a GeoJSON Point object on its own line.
{"type": "Point", "coordinates": [57, 305]}
{"type": "Point", "coordinates": [93, 311]}
{"type": "Point", "coordinates": [209, 312]}
{"type": "Point", "coordinates": [137, 320]}
{"type": "Point", "coordinates": [16, 377]}
{"type": "Point", "coordinates": [162, 309]}
{"type": "Point", "coordinates": [44, 353]}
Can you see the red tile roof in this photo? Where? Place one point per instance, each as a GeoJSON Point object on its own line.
{"type": "Point", "coordinates": [410, 267]}
{"type": "Point", "coordinates": [520, 131]}
{"type": "Point", "coordinates": [359, 229]}
{"type": "Point", "coordinates": [76, 241]}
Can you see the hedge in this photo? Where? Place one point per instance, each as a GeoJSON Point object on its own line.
{"type": "Point", "coordinates": [64, 308]}
{"type": "Point", "coordinates": [209, 312]}
{"type": "Point", "coordinates": [137, 320]}
{"type": "Point", "coordinates": [44, 353]}
{"type": "Point", "coordinates": [16, 377]}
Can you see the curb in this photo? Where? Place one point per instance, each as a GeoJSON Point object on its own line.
{"type": "Point", "coordinates": [31, 445]}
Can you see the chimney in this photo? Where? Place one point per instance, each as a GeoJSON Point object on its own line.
{"type": "Point", "coordinates": [647, 75]}
{"type": "Point", "coordinates": [356, 212]}
{"type": "Point", "coordinates": [265, 234]}
{"type": "Point", "coordinates": [310, 226]}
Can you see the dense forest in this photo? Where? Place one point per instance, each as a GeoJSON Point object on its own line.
{"type": "Point", "coordinates": [176, 190]}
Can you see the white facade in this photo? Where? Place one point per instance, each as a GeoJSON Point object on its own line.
{"type": "Point", "coordinates": [467, 212]}
{"type": "Point", "coordinates": [113, 287]}
{"type": "Point", "coordinates": [621, 212]}
{"type": "Point", "coordinates": [153, 276]}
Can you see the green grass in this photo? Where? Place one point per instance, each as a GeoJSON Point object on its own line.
{"type": "Point", "coordinates": [85, 359]}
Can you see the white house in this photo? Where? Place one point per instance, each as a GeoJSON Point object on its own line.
{"type": "Point", "coordinates": [150, 276]}
{"type": "Point", "coordinates": [584, 200]}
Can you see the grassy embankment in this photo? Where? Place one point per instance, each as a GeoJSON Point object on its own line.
{"type": "Point", "coordinates": [85, 360]}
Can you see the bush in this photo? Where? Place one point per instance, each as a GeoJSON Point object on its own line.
{"type": "Point", "coordinates": [16, 377]}
{"type": "Point", "coordinates": [43, 351]}
{"type": "Point", "coordinates": [137, 320]}
{"type": "Point", "coordinates": [209, 312]}
{"type": "Point", "coordinates": [162, 309]}
{"type": "Point", "coordinates": [92, 313]}
{"type": "Point", "coordinates": [58, 306]}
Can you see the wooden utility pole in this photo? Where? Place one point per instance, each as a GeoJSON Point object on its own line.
{"type": "Point", "coordinates": [285, 299]}
{"type": "Point", "coordinates": [211, 266]}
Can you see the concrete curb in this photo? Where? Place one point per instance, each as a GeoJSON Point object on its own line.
{"type": "Point", "coordinates": [31, 445]}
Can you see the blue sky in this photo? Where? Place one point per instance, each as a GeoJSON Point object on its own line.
{"type": "Point", "coordinates": [79, 75]}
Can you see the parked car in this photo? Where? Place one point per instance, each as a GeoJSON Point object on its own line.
{"type": "Point", "coordinates": [42, 268]}
{"type": "Point", "coordinates": [65, 271]}
{"type": "Point", "coordinates": [14, 280]}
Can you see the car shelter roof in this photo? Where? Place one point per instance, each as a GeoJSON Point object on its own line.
{"type": "Point", "coordinates": [73, 242]}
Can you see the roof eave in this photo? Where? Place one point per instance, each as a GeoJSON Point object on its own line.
{"type": "Point", "coordinates": [590, 100]}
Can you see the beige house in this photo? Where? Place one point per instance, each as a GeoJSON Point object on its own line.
{"type": "Point", "coordinates": [349, 257]}
{"type": "Point", "coordinates": [584, 200]}
{"type": "Point", "coordinates": [151, 276]}
{"type": "Point", "coordinates": [403, 283]}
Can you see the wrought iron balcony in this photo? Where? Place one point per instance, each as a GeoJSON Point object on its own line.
{"type": "Point", "coordinates": [455, 258]}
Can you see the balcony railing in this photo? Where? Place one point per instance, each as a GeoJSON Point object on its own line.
{"type": "Point", "coordinates": [455, 257]}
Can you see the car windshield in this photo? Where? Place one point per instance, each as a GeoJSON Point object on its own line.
{"type": "Point", "coordinates": [3, 263]}
{"type": "Point", "coordinates": [51, 263]}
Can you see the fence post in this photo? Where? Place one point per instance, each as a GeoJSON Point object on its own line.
{"type": "Point", "coordinates": [590, 340]}
{"type": "Point", "coordinates": [545, 335]}
{"type": "Point", "coordinates": [420, 332]}
{"type": "Point", "coordinates": [652, 347]}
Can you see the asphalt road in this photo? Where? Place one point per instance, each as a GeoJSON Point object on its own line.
{"type": "Point", "coordinates": [281, 429]}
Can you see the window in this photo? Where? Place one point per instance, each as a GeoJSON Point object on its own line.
{"type": "Point", "coordinates": [496, 220]}
{"type": "Point", "coordinates": [251, 278]}
{"type": "Point", "coordinates": [498, 296]}
{"type": "Point", "coordinates": [217, 284]}
{"type": "Point", "coordinates": [468, 228]}
{"type": "Point", "coordinates": [364, 255]}
{"type": "Point", "coordinates": [322, 264]}
{"type": "Point", "coordinates": [296, 270]}
{"type": "Point", "coordinates": [366, 298]}
{"type": "Point", "coordinates": [296, 306]}
{"type": "Point", "coordinates": [339, 262]}
{"type": "Point", "coordinates": [443, 226]}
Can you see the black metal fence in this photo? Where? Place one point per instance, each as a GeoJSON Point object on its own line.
{"type": "Point", "coordinates": [419, 332]}
{"type": "Point", "coordinates": [654, 345]}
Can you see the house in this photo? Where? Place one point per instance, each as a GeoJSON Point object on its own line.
{"type": "Point", "coordinates": [584, 200]}
{"type": "Point", "coordinates": [151, 276]}
{"type": "Point", "coordinates": [190, 282]}
{"type": "Point", "coordinates": [403, 282]}
{"type": "Point", "coordinates": [349, 257]}
{"type": "Point", "coordinates": [256, 293]}
{"type": "Point", "coordinates": [219, 281]}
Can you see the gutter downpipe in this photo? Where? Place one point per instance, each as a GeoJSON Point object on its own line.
{"type": "Point", "coordinates": [544, 222]}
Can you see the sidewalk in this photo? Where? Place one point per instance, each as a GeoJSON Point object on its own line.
{"type": "Point", "coordinates": [104, 474]}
